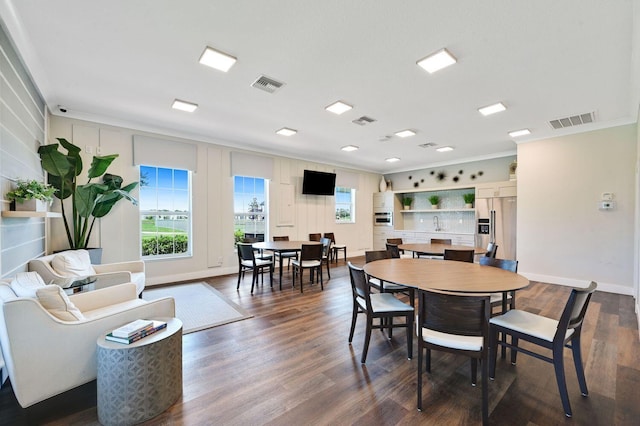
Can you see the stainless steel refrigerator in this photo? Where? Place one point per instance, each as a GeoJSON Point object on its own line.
{"type": "Point", "coordinates": [496, 222]}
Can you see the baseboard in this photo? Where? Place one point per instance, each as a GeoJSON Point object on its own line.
{"type": "Point", "coordinates": [571, 282]}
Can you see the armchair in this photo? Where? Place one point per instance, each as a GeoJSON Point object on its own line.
{"type": "Point", "coordinates": [61, 268]}
{"type": "Point", "coordinates": [45, 356]}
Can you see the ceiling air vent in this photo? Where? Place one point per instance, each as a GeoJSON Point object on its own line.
{"type": "Point", "coordinates": [574, 120]}
{"type": "Point", "coordinates": [267, 84]}
{"type": "Point", "coordinates": [363, 120]}
{"type": "Point", "coordinates": [427, 145]}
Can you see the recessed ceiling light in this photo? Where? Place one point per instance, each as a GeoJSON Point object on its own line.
{"type": "Point", "coordinates": [517, 133]}
{"type": "Point", "coordinates": [444, 149]}
{"type": "Point", "coordinates": [338, 107]}
{"type": "Point", "coordinates": [405, 133]}
{"type": "Point", "coordinates": [350, 148]}
{"type": "Point", "coordinates": [492, 109]}
{"type": "Point", "coordinates": [184, 106]}
{"type": "Point", "coordinates": [215, 59]}
{"type": "Point", "coordinates": [392, 159]}
{"type": "Point", "coordinates": [437, 61]}
{"type": "Point", "coordinates": [285, 131]}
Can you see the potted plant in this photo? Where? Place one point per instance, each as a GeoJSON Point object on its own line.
{"type": "Point", "coordinates": [434, 200]}
{"type": "Point", "coordinates": [406, 202]}
{"type": "Point", "coordinates": [90, 200]}
{"type": "Point", "coordinates": [469, 199]}
{"type": "Point", "coordinates": [30, 195]}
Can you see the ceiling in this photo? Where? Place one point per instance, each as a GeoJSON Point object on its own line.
{"type": "Point", "coordinates": [122, 62]}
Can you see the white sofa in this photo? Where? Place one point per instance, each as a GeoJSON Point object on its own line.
{"type": "Point", "coordinates": [45, 356]}
{"type": "Point", "coordinates": [61, 268]}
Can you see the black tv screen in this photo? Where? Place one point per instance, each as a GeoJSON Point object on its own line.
{"type": "Point", "coordinates": [318, 183]}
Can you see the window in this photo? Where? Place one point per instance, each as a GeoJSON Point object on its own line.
{"type": "Point", "coordinates": [345, 205]}
{"type": "Point", "coordinates": [250, 208]}
{"type": "Point", "coordinates": [165, 212]}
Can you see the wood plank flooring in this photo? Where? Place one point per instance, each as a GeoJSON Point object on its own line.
{"type": "Point", "coordinates": [291, 364]}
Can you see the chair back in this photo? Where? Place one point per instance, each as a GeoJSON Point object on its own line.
{"type": "Point", "coordinates": [245, 252]}
{"type": "Point", "coordinates": [506, 264]}
{"type": "Point", "coordinates": [455, 313]}
{"type": "Point", "coordinates": [311, 252]}
{"type": "Point", "coordinates": [396, 241]}
{"type": "Point", "coordinates": [360, 285]}
{"type": "Point", "coordinates": [315, 237]}
{"type": "Point", "coordinates": [281, 238]}
{"type": "Point", "coordinates": [394, 250]}
{"type": "Point", "coordinates": [575, 310]}
{"type": "Point", "coordinates": [446, 241]}
{"type": "Point", "coordinates": [326, 246]}
{"type": "Point", "coordinates": [373, 255]}
{"type": "Point", "coordinates": [330, 236]}
{"type": "Point", "coordinates": [458, 255]}
{"type": "Point", "coordinates": [492, 250]}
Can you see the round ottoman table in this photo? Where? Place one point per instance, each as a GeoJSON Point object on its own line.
{"type": "Point", "coordinates": [141, 380]}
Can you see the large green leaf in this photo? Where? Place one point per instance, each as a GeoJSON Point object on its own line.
{"type": "Point", "coordinates": [53, 161]}
{"type": "Point", "coordinates": [99, 165]}
{"type": "Point", "coordinates": [73, 155]}
{"type": "Point", "coordinates": [86, 196]}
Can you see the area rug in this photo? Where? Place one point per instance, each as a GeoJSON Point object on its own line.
{"type": "Point", "coordinates": [199, 306]}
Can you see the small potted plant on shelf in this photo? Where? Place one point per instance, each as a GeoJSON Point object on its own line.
{"type": "Point", "coordinates": [469, 199]}
{"type": "Point", "coordinates": [434, 200]}
{"type": "Point", "coordinates": [31, 195]}
{"type": "Point", "coordinates": [406, 202]}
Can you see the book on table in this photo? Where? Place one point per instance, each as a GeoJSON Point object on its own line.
{"type": "Point", "coordinates": [132, 328]}
{"type": "Point", "coordinates": [155, 327]}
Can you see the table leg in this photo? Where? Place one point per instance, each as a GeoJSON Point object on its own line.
{"type": "Point", "coordinates": [280, 266]}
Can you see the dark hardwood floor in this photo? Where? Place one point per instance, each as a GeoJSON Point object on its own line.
{"type": "Point", "coordinates": [291, 365]}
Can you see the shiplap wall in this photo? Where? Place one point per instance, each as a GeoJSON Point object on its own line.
{"type": "Point", "coordinates": [22, 129]}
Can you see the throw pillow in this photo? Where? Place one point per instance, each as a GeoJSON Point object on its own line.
{"type": "Point", "coordinates": [73, 263]}
{"type": "Point", "coordinates": [25, 284]}
{"type": "Point", "coordinates": [55, 300]}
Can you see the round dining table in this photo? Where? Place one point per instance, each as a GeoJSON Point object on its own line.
{"type": "Point", "coordinates": [437, 249]}
{"type": "Point", "coordinates": [282, 247]}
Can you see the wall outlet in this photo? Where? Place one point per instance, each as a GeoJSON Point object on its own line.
{"type": "Point", "coordinates": [606, 205]}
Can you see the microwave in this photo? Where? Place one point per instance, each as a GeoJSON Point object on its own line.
{"type": "Point", "coordinates": [383, 219]}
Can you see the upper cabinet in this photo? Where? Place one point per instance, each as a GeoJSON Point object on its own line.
{"type": "Point", "coordinates": [383, 201]}
{"type": "Point", "coordinates": [497, 189]}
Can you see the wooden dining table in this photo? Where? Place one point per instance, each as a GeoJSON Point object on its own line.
{"type": "Point", "coordinates": [282, 247]}
{"type": "Point", "coordinates": [437, 249]}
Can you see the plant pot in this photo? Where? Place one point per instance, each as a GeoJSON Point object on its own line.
{"type": "Point", "coordinates": [407, 207]}
{"type": "Point", "coordinates": [32, 205]}
{"type": "Point", "coordinates": [434, 207]}
{"type": "Point", "coordinates": [468, 206]}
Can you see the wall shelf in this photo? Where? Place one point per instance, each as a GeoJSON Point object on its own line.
{"type": "Point", "coordinates": [10, 213]}
{"type": "Point", "coordinates": [437, 210]}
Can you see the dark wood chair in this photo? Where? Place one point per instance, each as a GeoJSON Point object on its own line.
{"type": "Point", "coordinates": [259, 253]}
{"type": "Point", "coordinates": [377, 305]}
{"type": "Point", "coordinates": [393, 248]}
{"type": "Point", "coordinates": [499, 299]}
{"type": "Point", "coordinates": [547, 333]}
{"type": "Point", "coordinates": [456, 323]}
{"type": "Point", "coordinates": [335, 248]}
{"type": "Point", "coordinates": [310, 258]}
{"type": "Point", "coordinates": [381, 286]}
{"type": "Point", "coordinates": [315, 237]}
{"type": "Point", "coordinates": [492, 250]}
{"type": "Point", "coordinates": [446, 241]}
{"type": "Point", "coordinates": [459, 255]}
{"type": "Point", "coordinates": [326, 254]}
{"type": "Point", "coordinates": [285, 254]}
{"type": "Point", "coordinates": [248, 261]}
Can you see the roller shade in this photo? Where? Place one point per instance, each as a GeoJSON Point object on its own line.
{"type": "Point", "coordinates": [164, 153]}
{"type": "Point", "coordinates": [243, 164]}
{"type": "Point", "coordinates": [346, 179]}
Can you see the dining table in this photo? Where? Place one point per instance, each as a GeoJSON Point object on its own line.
{"type": "Point", "coordinates": [282, 247]}
{"type": "Point", "coordinates": [437, 249]}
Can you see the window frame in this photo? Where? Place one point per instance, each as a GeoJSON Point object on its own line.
{"type": "Point", "coordinates": [351, 204]}
{"type": "Point", "coordinates": [265, 211]}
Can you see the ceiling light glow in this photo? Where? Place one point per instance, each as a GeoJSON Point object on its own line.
{"type": "Point", "coordinates": [392, 159]}
{"type": "Point", "coordinates": [184, 106]}
{"type": "Point", "coordinates": [338, 107]}
{"type": "Point", "coordinates": [492, 109]}
{"type": "Point", "coordinates": [444, 149]}
{"type": "Point", "coordinates": [437, 61]}
{"type": "Point", "coordinates": [285, 131]}
{"type": "Point", "coordinates": [215, 59]}
{"type": "Point", "coordinates": [350, 148]}
{"type": "Point", "coordinates": [405, 133]}
{"type": "Point", "coordinates": [517, 133]}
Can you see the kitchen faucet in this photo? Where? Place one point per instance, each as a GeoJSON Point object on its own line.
{"type": "Point", "coordinates": [436, 224]}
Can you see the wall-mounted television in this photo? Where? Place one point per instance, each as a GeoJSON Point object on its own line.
{"type": "Point", "coordinates": [318, 183]}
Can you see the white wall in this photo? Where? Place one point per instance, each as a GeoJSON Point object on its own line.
{"type": "Point", "coordinates": [563, 237]}
{"type": "Point", "coordinates": [213, 240]}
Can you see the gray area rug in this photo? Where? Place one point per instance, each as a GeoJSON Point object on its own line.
{"type": "Point", "coordinates": [199, 306]}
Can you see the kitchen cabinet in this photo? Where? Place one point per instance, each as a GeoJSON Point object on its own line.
{"type": "Point", "coordinates": [380, 236]}
{"type": "Point", "coordinates": [497, 189]}
{"type": "Point", "coordinates": [384, 201]}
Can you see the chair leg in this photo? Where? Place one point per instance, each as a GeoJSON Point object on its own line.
{"type": "Point", "coordinates": [321, 278]}
{"type": "Point", "coordinates": [427, 361]}
{"type": "Point", "coordinates": [485, 389]}
{"type": "Point", "coordinates": [409, 322]}
{"type": "Point", "coordinates": [514, 352]}
{"type": "Point", "coordinates": [474, 371]}
{"type": "Point", "coordinates": [558, 365]}
{"type": "Point", "coordinates": [493, 349]}
{"type": "Point", "coordinates": [577, 361]}
{"type": "Point", "coordinates": [354, 317]}
{"type": "Point", "coordinates": [390, 327]}
{"type": "Point", "coordinates": [419, 376]}
{"type": "Point", "coordinates": [254, 279]}
{"type": "Point", "coordinates": [367, 337]}
{"type": "Point", "coordinates": [239, 275]}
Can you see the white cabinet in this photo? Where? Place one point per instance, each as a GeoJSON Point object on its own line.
{"type": "Point", "coordinates": [380, 236]}
{"type": "Point", "coordinates": [497, 189]}
{"type": "Point", "coordinates": [286, 210]}
{"type": "Point", "coordinates": [383, 201]}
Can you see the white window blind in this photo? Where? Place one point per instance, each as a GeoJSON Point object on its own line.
{"type": "Point", "coordinates": [164, 153]}
{"type": "Point", "coordinates": [243, 164]}
{"type": "Point", "coordinates": [346, 179]}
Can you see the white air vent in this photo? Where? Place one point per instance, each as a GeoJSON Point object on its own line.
{"type": "Point", "coordinates": [363, 120]}
{"type": "Point", "coordinates": [427, 145]}
{"type": "Point", "coordinates": [574, 120]}
{"type": "Point", "coordinates": [267, 84]}
{"type": "Point", "coordinates": [385, 138]}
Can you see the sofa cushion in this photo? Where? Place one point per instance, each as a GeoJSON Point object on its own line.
{"type": "Point", "coordinates": [73, 263]}
{"type": "Point", "coordinates": [25, 284]}
{"type": "Point", "coordinates": [114, 309]}
{"type": "Point", "coordinates": [55, 300]}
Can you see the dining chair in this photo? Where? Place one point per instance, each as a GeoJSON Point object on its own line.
{"type": "Point", "coordinates": [547, 333]}
{"type": "Point", "coordinates": [248, 261]}
{"type": "Point", "coordinates": [259, 253]}
{"type": "Point", "coordinates": [335, 248]}
{"type": "Point", "coordinates": [395, 241]}
{"type": "Point", "coordinates": [458, 255]}
{"type": "Point", "coordinates": [446, 241]}
{"type": "Point", "coordinates": [285, 254]}
{"type": "Point", "coordinates": [310, 258]}
{"type": "Point", "coordinates": [497, 298]}
{"type": "Point", "coordinates": [492, 250]}
{"type": "Point", "coordinates": [457, 323]}
{"type": "Point", "coordinates": [381, 286]}
{"type": "Point", "coordinates": [326, 254]}
{"type": "Point", "coordinates": [377, 305]}
{"type": "Point", "coordinates": [315, 237]}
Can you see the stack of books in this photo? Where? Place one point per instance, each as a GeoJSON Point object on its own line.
{"type": "Point", "coordinates": [135, 330]}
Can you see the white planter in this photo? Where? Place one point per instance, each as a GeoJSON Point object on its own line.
{"type": "Point", "coordinates": [434, 207]}
{"type": "Point", "coordinates": [468, 206]}
{"type": "Point", "coordinates": [407, 207]}
{"type": "Point", "coordinates": [32, 205]}
{"type": "Point", "coordinates": [383, 184]}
